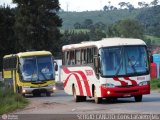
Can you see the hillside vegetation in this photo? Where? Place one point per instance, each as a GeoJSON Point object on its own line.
{"type": "Point", "coordinates": [148, 17]}
{"type": "Point", "coordinates": [107, 17]}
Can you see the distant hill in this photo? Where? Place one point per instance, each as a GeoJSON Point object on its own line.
{"type": "Point", "coordinates": [149, 17]}
{"type": "Point", "coordinates": [107, 17]}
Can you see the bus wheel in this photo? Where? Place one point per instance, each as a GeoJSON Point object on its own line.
{"type": "Point", "coordinates": [76, 97]}
{"type": "Point", "coordinates": [97, 100]}
{"type": "Point", "coordinates": [36, 94]}
{"type": "Point", "coordinates": [138, 98]}
{"type": "Point", "coordinates": [48, 94]}
{"type": "Point", "coordinates": [83, 98]}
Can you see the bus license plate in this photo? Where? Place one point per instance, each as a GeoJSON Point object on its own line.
{"type": "Point", "coordinates": [127, 95]}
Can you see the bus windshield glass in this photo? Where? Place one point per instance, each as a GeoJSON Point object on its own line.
{"type": "Point", "coordinates": [37, 68]}
{"type": "Point", "coordinates": [124, 61]}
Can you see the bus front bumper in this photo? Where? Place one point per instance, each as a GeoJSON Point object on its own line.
{"type": "Point", "coordinates": [125, 92]}
{"type": "Point", "coordinates": [30, 90]}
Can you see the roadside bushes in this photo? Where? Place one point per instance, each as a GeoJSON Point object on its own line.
{"type": "Point", "coordinates": [10, 101]}
{"type": "Point", "coordinates": [155, 84]}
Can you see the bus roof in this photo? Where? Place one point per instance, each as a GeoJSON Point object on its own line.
{"type": "Point", "coordinates": [105, 42]}
{"type": "Point", "coordinates": [30, 53]}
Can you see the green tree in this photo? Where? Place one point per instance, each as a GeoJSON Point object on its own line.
{"type": "Point", "coordinates": [122, 4]}
{"type": "Point", "coordinates": [126, 28]}
{"type": "Point", "coordinates": [154, 2]}
{"type": "Point", "coordinates": [87, 23]}
{"type": "Point", "coordinates": [100, 25]}
{"type": "Point", "coordinates": [105, 8]}
{"type": "Point", "coordinates": [150, 20]}
{"type": "Point", "coordinates": [130, 6]}
{"type": "Point", "coordinates": [143, 4]}
{"type": "Point", "coordinates": [71, 37]}
{"type": "Point", "coordinates": [77, 25]}
{"type": "Point", "coordinates": [96, 34]}
{"type": "Point", "coordinates": [37, 24]}
{"type": "Point", "coordinates": [7, 36]}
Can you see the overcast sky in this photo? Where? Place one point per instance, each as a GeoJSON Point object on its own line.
{"type": "Point", "coordinates": [83, 5]}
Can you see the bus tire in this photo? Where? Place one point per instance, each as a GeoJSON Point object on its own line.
{"type": "Point", "coordinates": [37, 94]}
{"type": "Point", "coordinates": [138, 98]}
{"type": "Point", "coordinates": [76, 97]}
{"type": "Point", "coordinates": [48, 94]}
{"type": "Point", "coordinates": [83, 98]}
{"type": "Point", "coordinates": [97, 100]}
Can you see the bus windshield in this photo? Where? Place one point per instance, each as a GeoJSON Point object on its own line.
{"type": "Point", "coordinates": [124, 61]}
{"type": "Point", "coordinates": [37, 68]}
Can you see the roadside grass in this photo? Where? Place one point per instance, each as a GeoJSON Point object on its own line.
{"type": "Point", "coordinates": [10, 101]}
{"type": "Point", "coordinates": [155, 84]}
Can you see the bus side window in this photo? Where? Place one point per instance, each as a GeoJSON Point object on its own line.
{"type": "Point", "coordinates": [78, 57]}
{"type": "Point", "coordinates": [72, 58]}
{"type": "Point", "coordinates": [95, 51]}
{"type": "Point", "coordinates": [89, 55]}
{"type": "Point", "coordinates": [67, 58]}
{"type": "Point", "coordinates": [83, 56]}
{"type": "Point", "coordinates": [10, 63]}
{"type": "Point", "coordinates": [13, 62]}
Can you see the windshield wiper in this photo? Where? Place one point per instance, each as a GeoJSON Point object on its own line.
{"type": "Point", "coordinates": [43, 75]}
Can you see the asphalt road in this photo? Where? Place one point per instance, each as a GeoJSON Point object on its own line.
{"type": "Point", "coordinates": [61, 103]}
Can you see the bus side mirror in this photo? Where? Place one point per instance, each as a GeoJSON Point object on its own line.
{"type": "Point", "coordinates": [55, 66]}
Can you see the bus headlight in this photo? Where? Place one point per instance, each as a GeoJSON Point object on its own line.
{"type": "Point", "coordinates": [54, 88]}
{"type": "Point", "coordinates": [108, 85]}
{"type": "Point", "coordinates": [23, 91]}
{"type": "Point", "coordinates": [144, 83]}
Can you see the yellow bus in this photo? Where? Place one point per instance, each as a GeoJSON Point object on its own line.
{"type": "Point", "coordinates": [30, 72]}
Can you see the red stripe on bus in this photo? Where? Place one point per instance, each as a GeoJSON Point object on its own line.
{"type": "Point", "coordinates": [85, 82]}
{"type": "Point", "coordinates": [77, 79]}
{"type": "Point", "coordinates": [122, 82]}
{"type": "Point", "coordinates": [66, 70]}
{"type": "Point", "coordinates": [132, 81]}
{"type": "Point", "coordinates": [65, 81]}
{"type": "Point", "coordinates": [79, 84]}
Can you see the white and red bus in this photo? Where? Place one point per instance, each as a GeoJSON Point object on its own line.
{"type": "Point", "coordinates": [109, 68]}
